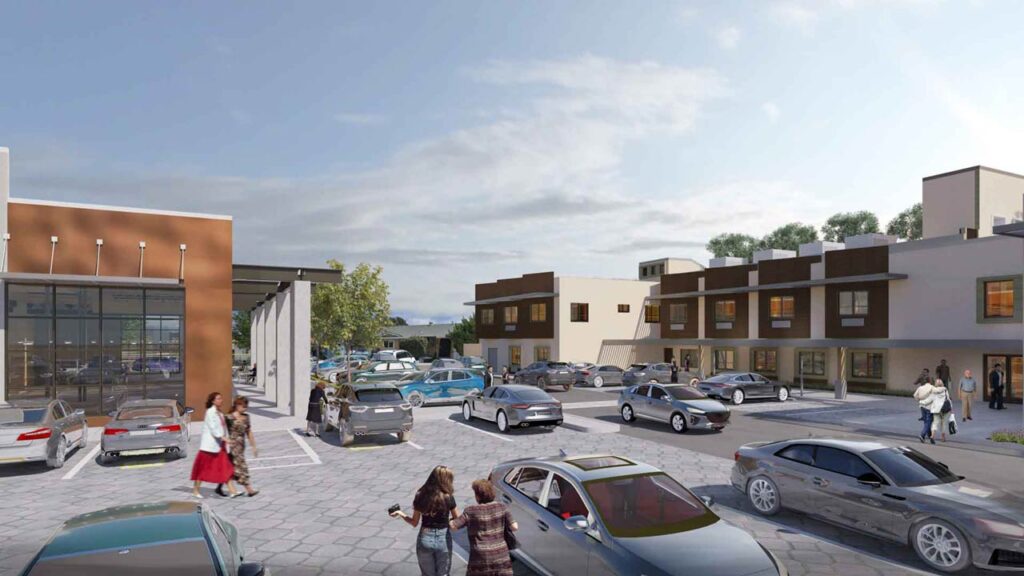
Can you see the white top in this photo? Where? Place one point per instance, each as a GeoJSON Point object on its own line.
{"type": "Point", "coordinates": [213, 431]}
{"type": "Point", "coordinates": [938, 398]}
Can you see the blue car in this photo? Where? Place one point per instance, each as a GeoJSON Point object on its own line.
{"type": "Point", "coordinates": [441, 385]}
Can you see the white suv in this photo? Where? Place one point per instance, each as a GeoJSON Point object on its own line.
{"type": "Point", "coordinates": [394, 355]}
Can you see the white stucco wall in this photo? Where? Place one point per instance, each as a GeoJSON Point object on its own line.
{"type": "Point", "coordinates": [582, 341]}
{"type": "Point", "coordinates": [949, 203]}
{"type": "Point", "coordinates": [1000, 195]}
{"type": "Point", "coordinates": [527, 346]}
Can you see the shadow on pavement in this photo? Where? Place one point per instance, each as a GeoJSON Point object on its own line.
{"type": "Point", "coordinates": [487, 426]}
{"type": "Point", "coordinates": [653, 426]}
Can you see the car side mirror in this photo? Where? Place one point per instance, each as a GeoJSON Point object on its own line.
{"type": "Point", "coordinates": [576, 524]}
{"type": "Point", "coordinates": [870, 479]}
{"type": "Point", "coordinates": [112, 414]}
{"type": "Point", "coordinates": [190, 411]}
{"type": "Point", "coordinates": [251, 569]}
{"type": "Point", "coordinates": [708, 501]}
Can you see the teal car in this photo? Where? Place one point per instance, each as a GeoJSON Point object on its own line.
{"type": "Point", "coordinates": [442, 385]}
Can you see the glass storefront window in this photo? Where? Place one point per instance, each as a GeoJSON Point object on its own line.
{"type": "Point", "coordinates": [810, 363]}
{"type": "Point", "coordinates": [29, 300]}
{"type": "Point", "coordinates": [122, 302]}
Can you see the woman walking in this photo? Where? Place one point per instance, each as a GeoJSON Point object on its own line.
{"type": "Point", "coordinates": [434, 505]}
{"type": "Point", "coordinates": [239, 429]}
{"type": "Point", "coordinates": [313, 415]}
{"type": "Point", "coordinates": [487, 522]}
{"type": "Point", "coordinates": [212, 463]}
{"type": "Point", "coordinates": [940, 408]}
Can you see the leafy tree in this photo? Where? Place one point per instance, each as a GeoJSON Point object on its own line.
{"type": "Point", "coordinates": [907, 224]}
{"type": "Point", "coordinates": [789, 237]}
{"type": "Point", "coordinates": [352, 312]}
{"type": "Point", "coordinates": [415, 346]}
{"type": "Point", "coordinates": [463, 333]}
{"type": "Point", "coordinates": [730, 244]}
{"type": "Point", "coordinates": [844, 224]}
{"type": "Point", "coordinates": [241, 328]}
{"type": "Point", "coordinates": [398, 321]}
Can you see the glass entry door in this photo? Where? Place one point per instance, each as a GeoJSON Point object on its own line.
{"type": "Point", "coordinates": [1013, 368]}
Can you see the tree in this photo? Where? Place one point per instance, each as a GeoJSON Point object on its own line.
{"type": "Point", "coordinates": [241, 328]}
{"type": "Point", "coordinates": [463, 333]}
{"type": "Point", "coordinates": [729, 244]}
{"type": "Point", "coordinates": [398, 321]}
{"type": "Point", "coordinates": [907, 224]}
{"type": "Point", "coordinates": [789, 237]}
{"type": "Point", "coordinates": [353, 311]}
{"type": "Point", "coordinates": [416, 346]}
{"type": "Point", "coordinates": [844, 224]}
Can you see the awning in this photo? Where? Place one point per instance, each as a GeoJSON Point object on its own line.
{"type": "Point", "coordinates": [785, 285]}
{"type": "Point", "coordinates": [513, 298]}
{"type": "Point", "coordinates": [251, 285]}
{"type": "Point", "coordinates": [87, 280]}
{"type": "Point", "coordinates": [994, 346]}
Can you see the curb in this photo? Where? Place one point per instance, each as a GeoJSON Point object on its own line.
{"type": "Point", "coordinates": [591, 425]}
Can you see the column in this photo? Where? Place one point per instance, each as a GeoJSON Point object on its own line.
{"type": "Point", "coordinates": [301, 341]}
{"type": "Point", "coordinates": [259, 331]}
{"type": "Point", "coordinates": [5, 192]}
{"type": "Point", "coordinates": [283, 308]}
{"type": "Point", "coordinates": [254, 338]}
{"type": "Point", "coordinates": [269, 367]}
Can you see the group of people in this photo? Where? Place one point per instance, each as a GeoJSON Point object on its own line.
{"type": "Point", "coordinates": [490, 525]}
{"type": "Point", "coordinates": [221, 456]}
{"type": "Point", "coordinates": [935, 400]}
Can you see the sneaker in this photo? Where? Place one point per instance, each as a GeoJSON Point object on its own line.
{"type": "Point", "coordinates": [253, 493]}
{"type": "Point", "coordinates": [922, 439]}
{"type": "Point", "coordinates": [932, 440]}
{"type": "Point", "coordinates": [198, 496]}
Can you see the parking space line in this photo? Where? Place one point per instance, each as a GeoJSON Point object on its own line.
{"type": "Point", "coordinates": [306, 447]}
{"type": "Point", "coordinates": [414, 445]}
{"type": "Point", "coordinates": [303, 455]}
{"type": "Point", "coordinates": [491, 434]}
{"type": "Point", "coordinates": [81, 464]}
{"type": "Point", "coordinates": [283, 466]}
{"type": "Point", "coordinates": [150, 465]}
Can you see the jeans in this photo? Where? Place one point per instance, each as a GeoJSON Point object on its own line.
{"type": "Point", "coordinates": [434, 551]}
{"type": "Point", "coordinates": [926, 430]}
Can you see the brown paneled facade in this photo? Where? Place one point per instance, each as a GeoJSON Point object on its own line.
{"type": "Point", "coordinates": [525, 284]}
{"type": "Point", "coordinates": [796, 325]}
{"type": "Point", "coordinates": [728, 277]}
{"type": "Point", "coordinates": [681, 283]}
{"type": "Point", "coordinates": [857, 262]}
{"type": "Point", "coordinates": [689, 327]}
{"type": "Point", "coordinates": [840, 323]}
{"type": "Point", "coordinates": [524, 327]}
{"type": "Point", "coordinates": [206, 336]}
{"type": "Point", "coordinates": [785, 270]}
{"type": "Point", "coordinates": [739, 327]}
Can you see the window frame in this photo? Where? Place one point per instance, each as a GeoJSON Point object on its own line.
{"type": "Point", "coordinates": [719, 317]}
{"type": "Point", "coordinates": [812, 374]}
{"type": "Point", "coordinates": [884, 365]}
{"type": "Point", "coordinates": [652, 313]}
{"type": "Point", "coordinates": [511, 314]}
{"type": "Point", "coordinates": [623, 308]}
{"type": "Point", "coordinates": [854, 308]}
{"type": "Point", "coordinates": [983, 317]}
{"type": "Point", "coordinates": [537, 355]}
{"type": "Point", "coordinates": [674, 307]}
{"type": "Point", "coordinates": [539, 312]}
{"type": "Point", "coordinates": [775, 361]}
{"type": "Point", "coordinates": [782, 314]}
{"type": "Point", "coordinates": [714, 359]}
{"type": "Point", "coordinates": [486, 318]}
{"type": "Point", "coordinates": [579, 312]}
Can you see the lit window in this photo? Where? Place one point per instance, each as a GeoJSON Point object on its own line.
{"type": "Point", "coordinates": [765, 360]}
{"type": "Point", "coordinates": [541, 353]}
{"type": "Point", "coordinates": [538, 312]}
{"type": "Point", "coordinates": [999, 299]}
{"type": "Point", "coordinates": [623, 308]}
{"type": "Point", "coordinates": [487, 316]}
{"type": "Point", "coordinates": [725, 311]}
{"type": "Point", "coordinates": [579, 312]}
{"type": "Point", "coordinates": [725, 359]}
{"type": "Point", "coordinates": [652, 313]}
{"type": "Point", "coordinates": [511, 314]}
{"type": "Point", "coordinates": [515, 357]}
{"type": "Point", "coordinates": [781, 307]}
{"type": "Point", "coordinates": [867, 365]}
{"type": "Point", "coordinates": [853, 303]}
{"type": "Point", "coordinates": [677, 313]}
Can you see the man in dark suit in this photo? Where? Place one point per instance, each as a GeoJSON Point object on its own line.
{"type": "Point", "coordinates": [996, 385]}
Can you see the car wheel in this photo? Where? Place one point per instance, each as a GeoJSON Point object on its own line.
{"type": "Point", "coordinates": [941, 546]}
{"type": "Point", "coordinates": [679, 423]}
{"type": "Point", "coordinates": [502, 422]}
{"type": "Point", "coordinates": [183, 451]}
{"type": "Point", "coordinates": [783, 394]}
{"type": "Point", "coordinates": [59, 455]}
{"type": "Point", "coordinates": [416, 399]}
{"type": "Point", "coordinates": [542, 383]}
{"type": "Point", "coordinates": [107, 458]}
{"type": "Point", "coordinates": [333, 378]}
{"type": "Point", "coordinates": [567, 386]}
{"type": "Point", "coordinates": [326, 423]}
{"type": "Point", "coordinates": [627, 413]}
{"type": "Point", "coordinates": [467, 412]}
{"type": "Point", "coordinates": [405, 436]}
{"type": "Point", "coordinates": [738, 397]}
{"type": "Point", "coordinates": [85, 436]}
{"type": "Point", "coordinates": [652, 381]}
{"type": "Point", "coordinates": [694, 381]}
{"type": "Point", "coordinates": [598, 382]}
{"type": "Point", "coordinates": [345, 435]}
{"type": "Point", "coordinates": [764, 496]}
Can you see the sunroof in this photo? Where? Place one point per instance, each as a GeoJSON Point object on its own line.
{"type": "Point", "coordinates": [598, 462]}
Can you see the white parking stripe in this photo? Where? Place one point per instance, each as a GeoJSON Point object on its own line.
{"type": "Point", "coordinates": [81, 464]}
{"type": "Point", "coordinates": [284, 466]}
{"type": "Point", "coordinates": [414, 445]}
{"type": "Point", "coordinates": [303, 455]}
{"type": "Point", "coordinates": [491, 434]}
{"type": "Point", "coordinates": [306, 448]}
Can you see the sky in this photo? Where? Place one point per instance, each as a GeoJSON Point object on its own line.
{"type": "Point", "coordinates": [454, 143]}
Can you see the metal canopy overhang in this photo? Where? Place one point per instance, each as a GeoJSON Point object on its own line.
{"type": "Point", "coordinates": [993, 346]}
{"type": "Point", "coordinates": [513, 298]}
{"type": "Point", "coordinates": [1015, 229]}
{"type": "Point", "coordinates": [785, 285]}
{"type": "Point", "coordinates": [252, 285]}
{"type": "Point", "coordinates": [87, 280]}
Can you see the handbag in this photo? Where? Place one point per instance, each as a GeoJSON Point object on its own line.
{"type": "Point", "coordinates": [947, 406]}
{"type": "Point", "coordinates": [952, 425]}
{"type": "Point", "coordinates": [510, 536]}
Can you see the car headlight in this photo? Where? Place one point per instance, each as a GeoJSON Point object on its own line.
{"type": "Point", "coordinates": [696, 411]}
{"type": "Point", "coordinates": [997, 528]}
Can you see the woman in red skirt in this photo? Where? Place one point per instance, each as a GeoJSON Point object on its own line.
{"type": "Point", "coordinates": [212, 463]}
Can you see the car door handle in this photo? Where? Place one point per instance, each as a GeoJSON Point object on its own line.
{"type": "Point", "coordinates": [542, 525]}
{"type": "Point", "coordinates": [819, 481]}
{"type": "Point", "coordinates": [506, 499]}
{"type": "Point", "coordinates": [893, 496]}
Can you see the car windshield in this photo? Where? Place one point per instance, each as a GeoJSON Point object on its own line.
{"type": "Point", "coordinates": [15, 416]}
{"type": "Point", "coordinates": [686, 393]}
{"type": "Point", "coordinates": [145, 412]}
{"type": "Point", "coordinates": [532, 395]}
{"type": "Point", "coordinates": [647, 505]}
{"type": "Point", "coordinates": [637, 366]}
{"type": "Point", "coordinates": [379, 395]}
{"type": "Point", "coordinates": [720, 378]}
{"type": "Point", "coordinates": [557, 365]}
{"type": "Point", "coordinates": [908, 467]}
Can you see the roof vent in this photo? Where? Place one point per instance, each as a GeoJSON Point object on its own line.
{"type": "Point", "coordinates": [726, 261]}
{"type": "Point", "coordinates": [773, 254]}
{"type": "Point", "coordinates": [819, 247]}
{"type": "Point", "coordinates": [868, 240]}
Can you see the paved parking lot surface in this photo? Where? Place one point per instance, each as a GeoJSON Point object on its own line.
{"type": "Point", "coordinates": [323, 511]}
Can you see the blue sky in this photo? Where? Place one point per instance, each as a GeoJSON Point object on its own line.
{"type": "Point", "coordinates": [459, 142]}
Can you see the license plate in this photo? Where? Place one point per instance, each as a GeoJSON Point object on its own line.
{"type": "Point", "coordinates": [142, 433]}
{"type": "Point", "coordinates": [146, 452]}
{"type": "Point", "coordinates": [563, 372]}
{"type": "Point", "coordinates": [383, 410]}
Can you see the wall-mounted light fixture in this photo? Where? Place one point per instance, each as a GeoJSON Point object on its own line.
{"type": "Point", "coordinates": [142, 255]}
{"type": "Point", "coordinates": [181, 263]}
{"type": "Point", "coordinates": [99, 245]}
{"type": "Point", "coordinates": [53, 250]}
{"type": "Point", "coordinates": [3, 265]}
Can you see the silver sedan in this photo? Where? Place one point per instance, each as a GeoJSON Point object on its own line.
{"type": "Point", "coordinates": [147, 427]}
{"type": "Point", "coordinates": [891, 492]}
{"type": "Point", "coordinates": [43, 431]}
{"type": "Point", "coordinates": [598, 376]}
{"type": "Point", "coordinates": [511, 405]}
{"type": "Point", "coordinates": [682, 407]}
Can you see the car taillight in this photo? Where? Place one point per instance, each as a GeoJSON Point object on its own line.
{"type": "Point", "coordinates": [114, 431]}
{"type": "Point", "coordinates": [585, 372]}
{"type": "Point", "coordinates": [358, 409]}
{"type": "Point", "coordinates": [39, 434]}
{"type": "Point", "coordinates": [520, 406]}
{"type": "Point", "coordinates": [405, 406]}
{"type": "Point", "coordinates": [736, 456]}
{"type": "Point", "coordinates": [169, 428]}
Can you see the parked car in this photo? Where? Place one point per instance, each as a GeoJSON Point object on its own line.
{"type": "Point", "coordinates": [393, 356]}
{"type": "Point", "coordinates": [147, 427]}
{"type": "Point", "coordinates": [425, 359]}
{"type": "Point", "coordinates": [340, 372]}
{"type": "Point", "coordinates": [510, 406]}
{"type": "Point", "coordinates": [545, 373]}
{"type": "Point", "coordinates": [41, 431]}
{"type": "Point", "coordinates": [161, 539]}
{"type": "Point", "coordinates": [368, 409]}
{"type": "Point", "coordinates": [445, 363]}
{"type": "Point", "coordinates": [608, 515]}
{"type": "Point", "coordinates": [598, 376]}
{"type": "Point", "coordinates": [738, 387]}
{"type": "Point", "coordinates": [891, 492]}
{"type": "Point", "coordinates": [474, 362]}
{"type": "Point", "coordinates": [384, 371]}
{"type": "Point", "coordinates": [682, 407]}
{"type": "Point", "coordinates": [660, 372]}
{"type": "Point", "coordinates": [441, 385]}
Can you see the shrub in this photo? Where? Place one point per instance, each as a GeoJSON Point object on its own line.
{"type": "Point", "coordinates": [415, 346]}
{"type": "Point", "coordinates": [1013, 436]}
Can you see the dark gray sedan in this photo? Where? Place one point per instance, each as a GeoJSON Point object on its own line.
{"type": "Point", "coordinates": [510, 406]}
{"type": "Point", "coordinates": [543, 374]}
{"type": "Point", "coordinates": [142, 427]}
{"type": "Point", "coordinates": [891, 492]}
{"type": "Point", "coordinates": [607, 515]}
{"type": "Point", "coordinates": [598, 376]}
{"type": "Point", "coordinates": [660, 372]}
{"type": "Point", "coordinates": [682, 407]}
{"type": "Point", "coordinates": [41, 431]}
{"type": "Point", "coordinates": [738, 387]}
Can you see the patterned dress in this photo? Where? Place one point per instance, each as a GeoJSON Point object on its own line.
{"type": "Point", "coordinates": [488, 554]}
{"type": "Point", "coordinates": [238, 430]}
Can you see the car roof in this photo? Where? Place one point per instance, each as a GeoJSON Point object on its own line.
{"type": "Point", "coordinates": [127, 526]}
{"type": "Point", "coordinates": [359, 386]}
{"type": "Point", "coordinates": [513, 388]}
{"type": "Point", "coordinates": [28, 404]}
{"type": "Point", "coordinates": [564, 465]}
{"type": "Point", "coordinates": [149, 403]}
{"type": "Point", "coordinates": [859, 446]}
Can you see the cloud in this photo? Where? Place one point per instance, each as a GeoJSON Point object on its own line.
{"type": "Point", "coordinates": [796, 14]}
{"type": "Point", "coordinates": [806, 14]}
{"type": "Point", "coordinates": [728, 37]}
{"type": "Point", "coordinates": [771, 110]}
{"type": "Point", "coordinates": [353, 119]}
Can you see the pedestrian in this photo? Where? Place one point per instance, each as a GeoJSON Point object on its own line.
{"type": "Point", "coordinates": [252, 374]}
{"type": "Point", "coordinates": [435, 506]}
{"type": "Point", "coordinates": [488, 522]}
{"type": "Point", "coordinates": [686, 363]}
{"type": "Point", "coordinates": [505, 375]}
{"type": "Point", "coordinates": [942, 373]}
{"type": "Point", "coordinates": [674, 378]}
{"type": "Point", "coordinates": [313, 415]}
{"type": "Point", "coordinates": [240, 430]}
{"type": "Point", "coordinates": [489, 377]}
{"type": "Point", "coordinates": [996, 385]}
{"type": "Point", "coordinates": [923, 378]}
{"type": "Point", "coordinates": [967, 390]}
{"type": "Point", "coordinates": [923, 395]}
{"type": "Point", "coordinates": [212, 463]}
{"type": "Point", "coordinates": [941, 408]}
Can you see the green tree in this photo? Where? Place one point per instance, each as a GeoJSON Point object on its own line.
{"type": "Point", "coordinates": [844, 224]}
{"type": "Point", "coordinates": [398, 321]}
{"type": "Point", "coordinates": [463, 333]}
{"type": "Point", "coordinates": [789, 236]}
{"type": "Point", "coordinates": [907, 224]}
{"type": "Point", "coordinates": [730, 244]}
{"type": "Point", "coordinates": [241, 328]}
{"type": "Point", "coordinates": [416, 346]}
{"type": "Point", "coordinates": [353, 311]}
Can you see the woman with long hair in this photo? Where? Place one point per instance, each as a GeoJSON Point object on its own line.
{"type": "Point", "coordinates": [212, 463]}
{"type": "Point", "coordinates": [434, 504]}
{"type": "Point", "coordinates": [239, 430]}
